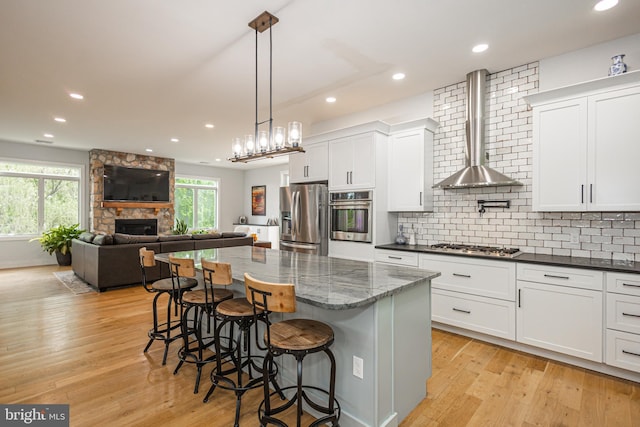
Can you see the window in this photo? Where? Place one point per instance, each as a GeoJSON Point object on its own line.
{"type": "Point", "coordinates": [35, 197]}
{"type": "Point", "coordinates": [196, 202]}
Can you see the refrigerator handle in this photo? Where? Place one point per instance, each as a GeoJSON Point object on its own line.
{"type": "Point", "coordinates": [295, 217]}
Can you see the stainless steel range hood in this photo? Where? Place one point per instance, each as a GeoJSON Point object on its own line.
{"type": "Point", "coordinates": [475, 173]}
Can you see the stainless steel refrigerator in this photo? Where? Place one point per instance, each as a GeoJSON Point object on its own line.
{"type": "Point", "coordinates": [304, 218]}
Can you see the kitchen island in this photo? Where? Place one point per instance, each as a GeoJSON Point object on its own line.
{"type": "Point", "coordinates": [380, 314]}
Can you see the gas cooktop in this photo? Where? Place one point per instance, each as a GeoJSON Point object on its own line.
{"type": "Point", "coordinates": [476, 250]}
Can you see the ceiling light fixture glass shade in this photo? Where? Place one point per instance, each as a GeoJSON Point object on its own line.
{"type": "Point", "coordinates": [267, 144]}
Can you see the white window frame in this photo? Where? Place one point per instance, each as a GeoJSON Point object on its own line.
{"type": "Point", "coordinates": [41, 177]}
{"type": "Point", "coordinates": [195, 187]}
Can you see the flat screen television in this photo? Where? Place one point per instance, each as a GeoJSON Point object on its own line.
{"type": "Point", "coordinates": [135, 184]}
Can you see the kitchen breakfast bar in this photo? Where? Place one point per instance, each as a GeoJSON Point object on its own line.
{"type": "Point", "coordinates": [379, 313]}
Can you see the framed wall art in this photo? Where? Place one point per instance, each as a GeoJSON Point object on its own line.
{"type": "Point", "coordinates": [259, 200]}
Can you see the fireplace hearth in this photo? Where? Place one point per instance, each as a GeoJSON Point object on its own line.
{"type": "Point", "coordinates": [137, 226]}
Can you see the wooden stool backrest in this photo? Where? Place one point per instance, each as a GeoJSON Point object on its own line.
{"type": "Point", "coordinates": [278, 297]}
{"type": "Point", "coordinates": [182, 267]}
{"type": "Point", "coordinates": [216, 273]}
{"type": "Point", "coordinates": [147, 257]}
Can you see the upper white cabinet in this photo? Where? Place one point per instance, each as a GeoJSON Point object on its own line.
{"type": "Point", "coordinates": [312, 165]}
{"type": "Point", "coordinates": [410, 172]}
{"type": "Point", "coordinates": [585, 148]}
{"type": "Point", "coordinates": [352, 162]}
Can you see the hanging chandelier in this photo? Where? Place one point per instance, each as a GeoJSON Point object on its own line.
{"type": "Point", "coordinates": [275, 142]}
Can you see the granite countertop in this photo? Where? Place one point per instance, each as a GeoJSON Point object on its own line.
{"type": "Point", "coordinates": [331, 283]}
{"type": "Point", "coordinates": [555, 260]}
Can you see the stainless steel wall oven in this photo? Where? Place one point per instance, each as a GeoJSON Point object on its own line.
{"type": "Point", "coordinates": [351, 216]}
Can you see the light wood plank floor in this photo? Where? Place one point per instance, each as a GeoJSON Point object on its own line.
{"type": "Point", "coordinates": [86, 350]}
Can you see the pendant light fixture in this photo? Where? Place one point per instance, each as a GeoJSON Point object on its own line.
{"type": "Point", "coordinates": [265, 144]}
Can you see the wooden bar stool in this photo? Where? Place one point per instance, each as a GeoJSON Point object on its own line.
{"type": "Point", "coordinates": [173, 288]}
{"type": "Point", "coordinates": [229, 371]}
{"type": "Point", "coordinates": [203, 302]}
{"type": "Point", "coordinates": [297, 337]}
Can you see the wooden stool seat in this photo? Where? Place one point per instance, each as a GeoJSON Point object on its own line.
{"type": "Point", "coordinates": [237, 307]}
{"type": "Point", "coordinates": [300, 334]}
{"type": "Point", "coordinates": [201, 297]}
{"type": "Point", "coordinates": [165, 285]}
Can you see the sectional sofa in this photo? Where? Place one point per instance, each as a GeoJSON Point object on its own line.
{"type": "Point", "coordinates": [109, 261]}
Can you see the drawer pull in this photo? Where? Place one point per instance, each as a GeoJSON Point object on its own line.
{"type": "Point", "coordinates": [394, 257]}
{"type": "Point", "coordinates": [630, 315]}
{"type": "Point", "coordinates": [553, 276]}
{"type": "Point", "coordinates": [631, 353]}
{"type": "Point", "coordinates": [629, 284]}
{"type": "Point", "coordinates": [461, 310]}
{"type": "Point", "coordinates": [462, 275]}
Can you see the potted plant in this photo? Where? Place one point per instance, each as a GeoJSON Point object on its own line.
{"type": "Point", "coordinates": [58, 239]}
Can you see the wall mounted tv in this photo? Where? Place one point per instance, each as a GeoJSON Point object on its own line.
{"type": "Point", "coordinates": [135, 185]}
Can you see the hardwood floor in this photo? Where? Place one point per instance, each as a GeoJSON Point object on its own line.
{"type": "Point", "coordinates": [86, 350]}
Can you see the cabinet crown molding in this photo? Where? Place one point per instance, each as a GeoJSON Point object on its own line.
{"type": "Point", "coordinates": [585, 88]}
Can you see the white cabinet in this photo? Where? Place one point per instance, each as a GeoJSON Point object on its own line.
{"type": "Point", "coordinates": [623, 321]}
{"type": "Point", "coordinates": [473, 293]}
{"type": "Point", "coordinates": [560, 309]}
{"type": "Point", "coordinates": [267, 233]}
{"type": "Point", "coordinates": [352, 162]}
{"type": "Point", "coordinates": [410, 160]}
{"type": "Point", "coordinates": [310, 166]}
{"type": "Point", "coordinates": [386, 256]}
{"type": "Point", "coordinates": [585, 147]}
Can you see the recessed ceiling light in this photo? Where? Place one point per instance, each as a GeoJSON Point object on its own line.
{"type": "Point", "coordinates": [175, 140]}
{"type": "Point", "coordinates": [48, 135]}
{"type": "Point", "coordinates": [331, 99]}
{"type": "Point", "coordinates": [209, 126]}
{"type": "Point", "coordinates": [148, 150]}
{"type": "Point", "coordinates": [605, 5]}
{"type": "Point", "coordinates": [218, 160]}
{"type": "Point", "coordinates": [76, 96]}
{"type": "Point", "coordinates": [398, 76]}
{"type": "Point", "coordinates": [480, 48]}
{"type": "Point", "coordinates": [60, 119]}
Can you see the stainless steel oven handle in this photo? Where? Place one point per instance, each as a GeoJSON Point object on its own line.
{"type": "Point", "coordinates": [364, 203]}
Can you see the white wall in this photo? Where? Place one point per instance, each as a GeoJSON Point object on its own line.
{"type": "Point", "coordinates": [269, 176]}
{"type": "Point", "coordinates": [589, 63]}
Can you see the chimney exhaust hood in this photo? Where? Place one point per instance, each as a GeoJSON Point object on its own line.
{"type": "Point", "coordinates": [475, 173]}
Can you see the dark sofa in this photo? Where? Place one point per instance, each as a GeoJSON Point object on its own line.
{"type": "Point", "coordinates": [109, 261]}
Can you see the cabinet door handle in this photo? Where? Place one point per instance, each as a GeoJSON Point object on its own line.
{"type": "Point", "coordinates": [347, 177]}
{"type": "Point", "coordinates": [631, 353]}
{"type": "Point", "coordinates": [629, 284]}
{"type": "Point", "coordinates": [553, 276]}
{"type": "Point", "coordinates": [462, 275]}
{"type": "Point", "coordinates": [421, 198]}
{"type": "Point", "coordinates": [351, 177]}
{"type": "Point", "coordinates": [590, 193]}
{"type": "Point", "coordinates": [630, 314]}
{"type": "Point", "coordinates": [582, 193]}
{"type": "Point", "coordinates": [461, 310]}
{"type": "Point", "coordinates": [519, 298]}
{"type": "Point", "coordinates": [394, 257]}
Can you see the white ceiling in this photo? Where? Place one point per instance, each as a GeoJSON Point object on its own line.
{"type": "Point", "coordinates": [152, 70]}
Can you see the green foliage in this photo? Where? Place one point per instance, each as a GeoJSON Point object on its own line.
{"type": "Point", "coordinates": [59, 238]}
{"type": "Point", "coordinates": [181, 227]}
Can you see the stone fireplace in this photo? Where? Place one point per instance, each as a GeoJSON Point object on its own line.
{"type": "Point", "coordinates": [103, 215]}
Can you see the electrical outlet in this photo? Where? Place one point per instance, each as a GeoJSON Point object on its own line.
{"type": "Point", "coordinates": [358, 367]}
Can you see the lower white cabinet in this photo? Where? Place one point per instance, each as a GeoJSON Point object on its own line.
{"type": "Point", "coordinates": [386, 256]}
{"type": "Point", "coordinates": [623, 321]}
{"type": "Point", "coordinates": [490, 316]}
{"type": "Point", "coordinates": [267, 233]}
{"type": "Point", "coordinates": [557, 313]}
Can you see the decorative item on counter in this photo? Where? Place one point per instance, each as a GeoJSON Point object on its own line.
{"type": "Point", "coordinates": [618, 66]}
{"type": "Point", "coordinates": [400, 239]}
{"type": "Point", "coordinates": [412, 236]}
{"type": "Point", "coordinates": [242, 219]}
